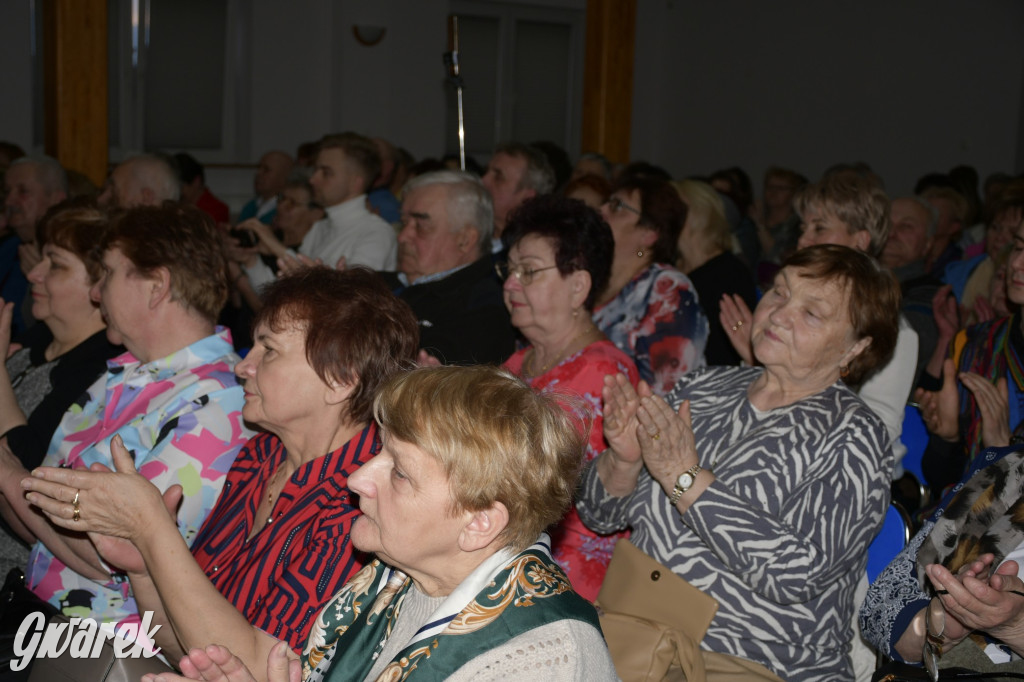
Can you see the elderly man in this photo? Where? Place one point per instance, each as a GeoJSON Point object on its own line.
{"type": "Point", "coordinates": [144, 180]}
{"type": "Point", "coordinates": [445, 273]}
{"type": "Point", "coordinates": [345, 167]}
{"type": "Point", "coordinates": [515, 173]}
{"type": "Point", "coordinates": [32, 185]}
{"type": "Point", "coordinates": [914, 222]}
{"type": "Point", "coordinates": [271, 176]}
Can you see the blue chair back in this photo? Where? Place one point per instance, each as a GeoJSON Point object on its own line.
{"type": "Point", "coordinates": [915, 438]}
{"type": "Point", "coordinates": [890, 541]}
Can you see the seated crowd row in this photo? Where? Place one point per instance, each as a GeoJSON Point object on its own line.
{"type": "Point", "coordinates": [747, 443]}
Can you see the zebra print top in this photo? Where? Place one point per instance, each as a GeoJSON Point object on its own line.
{"type": "Point", "coordinates": [780, 538]}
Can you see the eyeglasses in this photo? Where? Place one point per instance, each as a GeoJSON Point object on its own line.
{"type": "Point", "coordinates": [616, 204]}
{"type": "Point", "coordinates": [522, 273]}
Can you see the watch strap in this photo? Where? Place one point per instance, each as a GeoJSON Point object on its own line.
{"type": "Point", "coordinates": [678, 490]}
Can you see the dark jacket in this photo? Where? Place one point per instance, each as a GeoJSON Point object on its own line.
{"type": "Point", "coordinates": [463, 319]}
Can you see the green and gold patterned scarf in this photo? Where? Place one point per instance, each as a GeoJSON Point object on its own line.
{"type": "Point", "coordinates": [514, 593]}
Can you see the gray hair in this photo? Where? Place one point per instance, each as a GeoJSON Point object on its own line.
{"type": "Point", "coordinates": [155, 173]}
{"type": "Point", "coordinates": [469, 203]}
{"type": "Point", "coordinates": [49, 172]}
{"type": "Point", "coordinates": [538, 175]}
{"type": "Point", "coordinates": [930, 209]}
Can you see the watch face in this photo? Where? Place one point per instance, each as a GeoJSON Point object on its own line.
{"type": "Point", "coordinates": [684, 481]}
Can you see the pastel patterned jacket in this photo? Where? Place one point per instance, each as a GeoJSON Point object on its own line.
{"type": "Point", "coordinates": [182, 417]}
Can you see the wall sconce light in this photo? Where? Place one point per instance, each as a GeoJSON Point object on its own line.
{"type": "Point", "coordinates": [368, 35]}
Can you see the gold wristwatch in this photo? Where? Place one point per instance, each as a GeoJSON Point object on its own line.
{"type": "Point", "coordinates": [684, 483]}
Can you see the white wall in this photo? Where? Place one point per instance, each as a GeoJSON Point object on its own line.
{"type": "Point", "coordinates": [909, 86]}
{"type": "Point", "coordinates": [310, 75]}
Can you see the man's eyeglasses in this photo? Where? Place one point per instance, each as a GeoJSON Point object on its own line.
{"type": "Point", "coordinates": [522, 273]}
{"type": "Point", "coordinates": [616, 204]}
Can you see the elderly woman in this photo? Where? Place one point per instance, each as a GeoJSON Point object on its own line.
{"type": "Point", "coordinates": [959, 576]}
{"type": "Point", "coordinates": [276, 546]}
{"type": "Point", "coordinates": [60, 358]}
{"type": "Point", "coordinates": [649, 309]}
{"type": "Point", "coordinates": [705, 255]}
{"type": "Point", "coordinates": [768, 503]}
{"type": "Point", "coordinates": [847, 210]}
{"type": "Point", "coordinates": [474, 466]}
{"type": "Point", "coordinates": [172, 399]}
{"type": "Point", "coordinates": [560, 253]}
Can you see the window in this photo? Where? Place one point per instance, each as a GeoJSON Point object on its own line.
{"type": "Point", "coordinates": [178, 74]}
{"type": "Point", "coordinates": [523, 72]}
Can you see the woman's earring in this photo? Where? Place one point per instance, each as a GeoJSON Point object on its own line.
{"type": "Point", "coordinates": [844, 371]}
{"type": "Point", "coordinates": [639, 254]}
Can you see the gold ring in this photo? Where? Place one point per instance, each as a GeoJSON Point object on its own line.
{"type": "Point", "coordinates": [74, 502]}
{"type": "Point", "coordinates": [76, 513]}
{"type": "Point", "coordinates": [656, 436]}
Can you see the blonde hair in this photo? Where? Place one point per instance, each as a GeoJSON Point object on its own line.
{"type": "Point", "coordinates": [857, 202]}
{"type": "Point", "coordinates": [705, 216]}
{"type": "Point", "coordinates": [497, 439]}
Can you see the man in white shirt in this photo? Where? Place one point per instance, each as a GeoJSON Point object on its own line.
{"type": "Point", "coordinates": [346, 166]}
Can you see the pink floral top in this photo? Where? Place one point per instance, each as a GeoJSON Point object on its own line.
{"type": "Point", "coordinates": [582, 554]}
{"type": "Point", "coordinates": [657, 320]}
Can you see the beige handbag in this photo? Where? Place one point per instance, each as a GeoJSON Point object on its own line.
{"type": "Point", "coordinates": [652, 619]}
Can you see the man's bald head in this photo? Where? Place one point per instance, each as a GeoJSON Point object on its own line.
{"type": "Point", "coordinates": [144, 180]}
{"type": "Point", "coordinates": [272, 174]}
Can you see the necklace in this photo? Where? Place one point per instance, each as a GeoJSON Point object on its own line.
{"type": "Point", "coordinates": [528, 365]}
{"type": "Point", "coordinates": [270, 496]}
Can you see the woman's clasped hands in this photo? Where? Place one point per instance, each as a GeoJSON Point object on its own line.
{"type": "Point", "coordinates": [642, 430]}
{"type": "Point", "coordinates": [114, 508]}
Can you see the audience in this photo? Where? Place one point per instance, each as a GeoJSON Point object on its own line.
{"type": "Point", "coordinates": [276, 546]}
{"type": "Point", "coordinates": [706, 257]}
{"type": "Point", "coordinates": [592, 190]}
{"type": "Point", "coordinates": [592, 163]}
{"type": "Point", "coordinates": [905, 253]}
{"type": "Point", "coordinates": [445, 272]}
{"type": "Point", "coordinates": [59, 358]}
{"type": "Point", "coordinates": [271, 176]}
{"type": "Point", "coordinates": [144, 180]}
{"type": "Point", "coordinates": [172, 399]}
{"type": "Point", "coordinates": [649, 309]}
{"type": "Point", "coordinates": [952, 210]}
{"type": "Point", "coordinates": [952, 597]}
{"type": "Point", "coordinates": [769, 501]}
{"type": "Point", "coordinates": [515, 173]}
{"type": "Point", "coordinates": [380, 198]}
{"type": "Point", "coordinates": [560, 256]}
{"type": "Point", "coordinates": [579, 321]}
{"type": "Point", "coordinates": [778, 226]}
{"type": "Point", "coordinates": [454, 506]}
{"type": "Point", "coordinates": [32, 184]}
{"type": "Point", "coordinates": [194, 191]}
{"type": "Point", "coordinates": [346, 165]}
